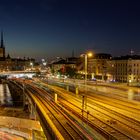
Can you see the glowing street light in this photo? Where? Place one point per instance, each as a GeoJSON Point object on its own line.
{"type": "Point", "coordinates": [31, 64]}
{"type": "Point", "coordinates": [89, 54]}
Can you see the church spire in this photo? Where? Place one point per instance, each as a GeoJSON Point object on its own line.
{"type": "Point", "coordinates": [73, 53]}
{"type": "Point", "coordinates": [2, 44]}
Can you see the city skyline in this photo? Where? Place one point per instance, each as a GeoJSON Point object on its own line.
{"type": "Point", "coordinates": [45, 28]}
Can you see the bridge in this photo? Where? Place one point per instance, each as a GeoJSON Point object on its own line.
{"type": "Point", "coordinates": [18, 74]}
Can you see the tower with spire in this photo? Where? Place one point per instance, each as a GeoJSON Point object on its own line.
{"type": "Point", "coordinates": [2, 47]}
{"type": "Point", "coordinates": [73, 53]}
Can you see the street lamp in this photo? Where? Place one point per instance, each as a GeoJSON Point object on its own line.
{"type": "Point", "coordinates": [31, 64]}
{"type": "Point", "coordinates": [89, 54]}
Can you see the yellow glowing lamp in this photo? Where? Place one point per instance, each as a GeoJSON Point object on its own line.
{"type": "Point", "coordinates": [89, 54]}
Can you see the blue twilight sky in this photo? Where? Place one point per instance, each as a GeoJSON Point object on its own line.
{"type": "Point", "coordinates": [49, 28]}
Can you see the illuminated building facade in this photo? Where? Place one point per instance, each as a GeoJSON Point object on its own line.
{"type": "Point", "coordinates": [97, 66]}
{"type": "Point", "coordinates": [126, 68]}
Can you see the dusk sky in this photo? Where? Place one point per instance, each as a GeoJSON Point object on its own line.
{"type": "Point", "coordinates": [50, 28]}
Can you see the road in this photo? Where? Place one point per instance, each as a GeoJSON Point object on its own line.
{"type": "Point", "coordinates": [113, 89]}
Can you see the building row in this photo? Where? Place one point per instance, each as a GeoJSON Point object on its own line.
{"type": "Point", "coordinates": [100, 66]}
{"type": "Point", "coordinates": [103, 67]}
{"type": "Point", "coordinates": [126, 68]}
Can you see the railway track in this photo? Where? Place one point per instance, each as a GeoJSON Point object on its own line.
{"type": "Point", "coordinates": [110, 118]}
{"type": "Point", "coordinates": [109, 131]}
{"type": "Point", "coordinates": [106, 125]}
{"type": "Point", "coordinates": [66, 126]}
{"type": "Point", "coordinates": [122, 104]}
{"type": "Point", "coordinates": [105, 134]}
{"type": "Point", "coordinates": [100, 126]}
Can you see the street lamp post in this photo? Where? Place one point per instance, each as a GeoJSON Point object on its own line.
{"type": "Point", "coordinates": [86, 69]}
{"type": "Point", "coordinates": [86, 65]}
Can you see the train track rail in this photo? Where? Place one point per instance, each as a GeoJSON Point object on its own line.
{"type": "Point", "coordinates": [121, 104]}
{"type": "Point", "coordinates": [109, 131]}
{"type": "Point", "coordinates": [105, 134]}
{"type": "Point", "coordinates": [135, 108]}
{"type": "Point", "coordinates": [100, 122]}
{"type": "Point", "coordinates": [133, 128]}
{"type": "Point", "coordinates": [67, 127]}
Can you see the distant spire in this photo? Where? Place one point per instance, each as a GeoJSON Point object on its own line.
{"type": "Point", "coordinates": [73, 53]}
{"type": "Point", "coordinates": [8, 56]}
{"type": "Point", "coordinates": [2, 44]}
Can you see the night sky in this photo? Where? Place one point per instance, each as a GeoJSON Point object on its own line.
{"type": "Point", "coordinates": [50, 28]}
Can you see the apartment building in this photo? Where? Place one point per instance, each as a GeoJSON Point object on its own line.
{"type": "Point", "coordinates": [126, 68]}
